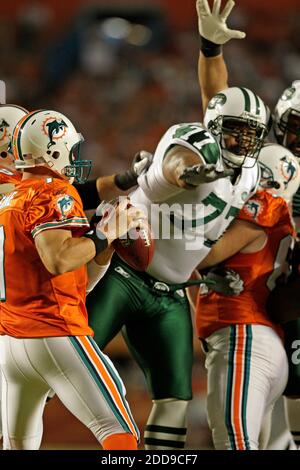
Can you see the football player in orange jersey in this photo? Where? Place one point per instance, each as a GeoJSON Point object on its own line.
{"type": "Point", "coordinates": [9, 116]}
{"type": "Point", "coordinates": [245, 358]}
{"type": "Point", "coordinates": [45, 337]}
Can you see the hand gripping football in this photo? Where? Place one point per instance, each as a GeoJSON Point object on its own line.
{"type": "Point", "coordinates": [137, 248]}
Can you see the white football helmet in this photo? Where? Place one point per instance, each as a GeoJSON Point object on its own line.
{"type": "Point", "coordinates": [239, 115]}
{"type": "Point", "coordinates": [286, 117]}
{"type": "Point", "coordinates": [49, 138]}
{"type": "Point", "coordinates": [280, 171]}
{"type": "Point", "coordinates": [10, 115]}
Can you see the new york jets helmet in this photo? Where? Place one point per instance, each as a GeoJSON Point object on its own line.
{"type": "Point", "coordinates": [240, 114]}
{"type": "Point", "coordinates": [288, 106]}
{"type": "Point", "coordinates": [47, 137]}
{"type": "Point", "coordinates": [10, 114]}
{"type": "Point", "coordinates": [280, 171]}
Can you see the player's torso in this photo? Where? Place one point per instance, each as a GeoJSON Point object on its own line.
{"type": "Point", "coordinates": [187, 224]}
{"type": "Point", "coordinates": [31, 297]}
{"type": "Point", "coordinates": [260, 272]}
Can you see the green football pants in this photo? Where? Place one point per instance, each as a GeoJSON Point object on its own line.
{"type": "Point", "coordinates": [157, 327]}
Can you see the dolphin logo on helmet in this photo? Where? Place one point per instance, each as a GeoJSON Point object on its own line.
{"type": "Point", "coordinates": [10, 115]}
{"type": "Point", "coordinates": [57, 145]}
{"type": "Point", "coordinates": [280, 171]}
{"type": "Point", "coordinates": [288, 169]}
{"type": "Point", "coordinates": [56, 130]}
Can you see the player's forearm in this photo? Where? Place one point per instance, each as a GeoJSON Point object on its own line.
{"type": "Point", "coordinates": [73, 253]}
{"type": "Point", "coordinates": [175, 162]}
{"type": "Point", "coordinates": [213, 77]}
{"type": "Point", "coordinates": [97, 267]}
{"type": "Point", "coordinates": [240, 236]}
{"type": "Point", "coordinates": [107, 188]}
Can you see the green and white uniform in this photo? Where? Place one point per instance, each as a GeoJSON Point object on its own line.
{"type": "Point", "coordinates": [205, 211]}
{"type": "Point", "coordinates": [153, 315]}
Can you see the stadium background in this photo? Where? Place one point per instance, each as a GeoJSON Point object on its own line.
{"type": "Point", "coordinates": [123, 72]}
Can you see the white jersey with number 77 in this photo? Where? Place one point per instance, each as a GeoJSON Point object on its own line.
{"type": "Point", "coordinates": [187, 222]}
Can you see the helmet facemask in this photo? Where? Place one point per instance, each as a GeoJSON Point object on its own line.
{"type": "Point", "coordinates": [289, 125]}
{"type": "Point", "coordinates": [241, 139]}
{"type": "Point", "coordinates": [267, 180]}
{"type": "Point", "coordinates": [78, 169]}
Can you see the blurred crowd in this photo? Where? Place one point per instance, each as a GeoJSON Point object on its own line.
{"type": "Point", "coordinates": [123, 97]}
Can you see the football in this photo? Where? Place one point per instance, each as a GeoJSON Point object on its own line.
{"type": "Point", "coordinates": [137, 248]}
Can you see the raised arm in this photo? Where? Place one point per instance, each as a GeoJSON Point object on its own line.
{"type": "Point", "coordinates": [213, 30]}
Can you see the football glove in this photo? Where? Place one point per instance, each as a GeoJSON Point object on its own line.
{"type": "Point", "coordinates": [198, 174]}
{"type": "Point", "coordinates": [227, 281]}
{"type": "Point", "coordinates": [141, 162]}
{"type": "Point", "coordinates": [212, 23]}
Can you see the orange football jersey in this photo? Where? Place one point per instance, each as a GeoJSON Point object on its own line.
{"type": "Point", "coordinates": [34, 302]}
{"type": "Point", "coordinates": [8, 175]}
{"type": "Point", "coordinates": [258, 270]}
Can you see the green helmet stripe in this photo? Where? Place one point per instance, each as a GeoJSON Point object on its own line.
{"type": "Point", "coordinates": [247, 99]}
{"type": "Point", "coordinates": [267, 113]}
{"type": "Point", "coordinates": [18, 143]}
{"type": "Point", "coordinates": [257, 100]}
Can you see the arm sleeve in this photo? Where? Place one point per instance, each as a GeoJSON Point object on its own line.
{"type": "Point", "coordinates": [191, 136]}
{"type": "Point", "coordinates": [263, 209]}
{"type": "Point", "coordinates": [55, 209]}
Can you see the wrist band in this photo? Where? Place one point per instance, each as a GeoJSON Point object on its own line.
{"type": "Point", "coordinates": [126, 180]}
{"type": "Point", "coordinates": [100, 243]}
{"type": "Point", "coordinates": [210, 49]}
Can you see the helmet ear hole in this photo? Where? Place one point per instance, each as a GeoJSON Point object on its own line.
{"type": "Point", "coordinates": [55, 155]}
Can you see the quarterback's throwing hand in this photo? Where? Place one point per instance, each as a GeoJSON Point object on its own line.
{"type": "Point", "coordinates": [199, 174]}
{"type": "Point", "coordinates": [212, 23]}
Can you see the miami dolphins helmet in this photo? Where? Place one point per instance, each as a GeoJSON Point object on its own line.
{"type": "Point", "coordinates": [286, 119]}
{"type": "Point", "coordinates": [240, 120]}
{"type": "Point", "coordinates": [10, 114]}
{"type": "Point", "coordinates": [46, 137]}
{"type": "Point", "coordinates": [280, 171]}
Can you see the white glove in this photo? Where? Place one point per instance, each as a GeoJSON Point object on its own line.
{"type": "Point", "coordinates": [227, 281]}
{"type": "Point", "coordinates": [141, 162]}
{"type": "Point", "coordinates": [212, 24]}
{"type": "Point", "coordinates": [199, 174]}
